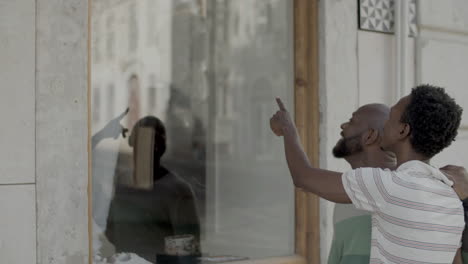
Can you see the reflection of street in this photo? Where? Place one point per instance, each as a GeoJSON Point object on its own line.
{"type": "Point", "coordinates": [251, 217]}
{"type": "Point", "coordinates": [240, 231]}
{"type": "Point", "coordinates": [210, 78]}
{"type": "Point", "coordinates": [193, 172]}
{"type": "Point", "coordinates": [103, 255]}
{"type": "Point", "coordinates": [253, 239]}
{"type": "Point", "coordinates": [153, 203]}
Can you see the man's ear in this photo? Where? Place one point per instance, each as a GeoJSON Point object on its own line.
{"type": "Point", "coordinates": [405, 131]}
{"type": "Point", "coordinates": [371, 136]}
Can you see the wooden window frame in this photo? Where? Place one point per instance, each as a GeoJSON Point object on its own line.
{"type": "Point", "coordinates": [306, 94]}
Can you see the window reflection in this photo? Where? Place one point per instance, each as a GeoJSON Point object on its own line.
{"type": "Point", "coordinates": [184, 165]}
{"type": "Point", "coordinates": [110, 101]}
{"type": "Point", "coordinates": [110, 41]}
{"type": "Point", "coordinates": [134, 100]}
{"type": "Point", "coordinates": [156, 203]}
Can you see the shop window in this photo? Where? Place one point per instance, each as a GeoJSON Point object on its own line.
{"type": "Point", "coordinates": [96, 48]}
{"type": "Point", "coordinates": [152, 99]}
{"type": "Point", "coordinates": [96, 104]}
{"type": "Point", "coordinates": [110, 97]}
{"type": "Point", "coordinates": [110, 37]}
{"type": "Point", "coordinates": [196, 179]}
{"type": "Point", "coordinates": [151, 23]}
{"type": "Point", "coordinates": [132, 28]}
{"type": "Point", "coordinates": [134, 99]}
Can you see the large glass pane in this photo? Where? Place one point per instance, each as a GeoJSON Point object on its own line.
{"type": "Point", "coordinates": [184, 164]}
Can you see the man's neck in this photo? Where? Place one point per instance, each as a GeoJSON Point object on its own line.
{"type": "Point", "coordinates": [374, 158]}
{"type": "Point", "coordinates": [404, 157]}
{"type": "Point", "coordinates": [355, 161]}
{"type": "Point", "coordinates": [405, 153]}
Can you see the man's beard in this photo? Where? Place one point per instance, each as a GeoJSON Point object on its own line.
{"type": "Point", "coordinates": [347, 147]}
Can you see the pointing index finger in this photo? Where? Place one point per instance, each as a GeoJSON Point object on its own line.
{"type": "Point", "coordinates": [122, 115]}
{"type": "Point", "coordinates": [280, 104]}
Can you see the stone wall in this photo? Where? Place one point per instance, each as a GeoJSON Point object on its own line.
{"type": "Point", "coordinates": [358, 67]}
{"type": "Point", "coordinates": [43, 105]}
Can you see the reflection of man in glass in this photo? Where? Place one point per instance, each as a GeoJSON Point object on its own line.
{"type": "Point", "coordinates": [140, 219]}
{"type": "Point", "coordinates": [133, 100]}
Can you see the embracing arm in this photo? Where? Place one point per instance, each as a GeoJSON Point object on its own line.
{"type": "Point", "coordinates": [459, 176]}
{"type": "Point", "coordinates": [458, 257]}
{"type": "Point", "coordinates": [324, 183]}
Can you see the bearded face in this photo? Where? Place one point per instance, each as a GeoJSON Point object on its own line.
{"type": "Point", "coordinates": [348, 146]}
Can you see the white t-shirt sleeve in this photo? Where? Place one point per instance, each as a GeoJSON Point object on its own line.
{"type": "Point", "coordinates": [364, 186]}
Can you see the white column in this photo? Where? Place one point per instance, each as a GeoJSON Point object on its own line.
{"type": "Point", "coordinates": [401, 40]}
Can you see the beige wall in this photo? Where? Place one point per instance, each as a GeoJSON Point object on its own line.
{"type": "Point", "coordinates": [17, 154]}
{"type": "Point", "coordinates": [442, 58]}
{"type": "Point", "coordinates": [17, 56]}
{"type": "Point", "coordinates": [61, 131]}
{"type": "Point", "coordinates": [43, 105]}
{"type": "Point", "coordinates": [358, 67]}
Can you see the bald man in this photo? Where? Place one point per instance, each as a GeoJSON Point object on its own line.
{"type": "Point", "coordinates": [352, 237]}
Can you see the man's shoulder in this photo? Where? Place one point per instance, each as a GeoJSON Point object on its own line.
{"type": "Point", "coordinates": [369, 170]}
{"type": "Point", "coordinates": [178, 185]}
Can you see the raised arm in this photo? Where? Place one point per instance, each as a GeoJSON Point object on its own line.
{"type": "Point", "coordinates": [324, 183]}
{"type": "Point", "coordinates": [111, 130]}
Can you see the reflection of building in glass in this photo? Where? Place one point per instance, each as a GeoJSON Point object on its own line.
{"type": "Point", "coordinates": [132, 28]}
{"type": "Point", "coordinates": [217, 60]}
{"type": "Point", "coordinates": [110, 37]}
{"type": "Point", "coordinates": [96, 104]}
{"type": "Point", "coordinates": [110, 98]}
{"type": "Point", "coordinates": [133, 100]}
{"type": "Point", "coordinates": [122, 24]}
{"type": "Point", "coordinates": [249, 62]}
{"type": "Point", "coordinates": [210, 71]}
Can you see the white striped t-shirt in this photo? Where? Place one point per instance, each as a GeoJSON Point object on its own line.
{"type": "Point", "coordinates": [416, 215]}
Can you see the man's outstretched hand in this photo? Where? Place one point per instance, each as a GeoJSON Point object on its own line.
{"type": "Point", "coordinates": [113, 129]}
{"type": "Point", "coordinates": [281, 122]}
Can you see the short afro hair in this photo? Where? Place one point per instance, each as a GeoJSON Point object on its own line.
{"type": "Point", "coordinates": [434, 118]}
